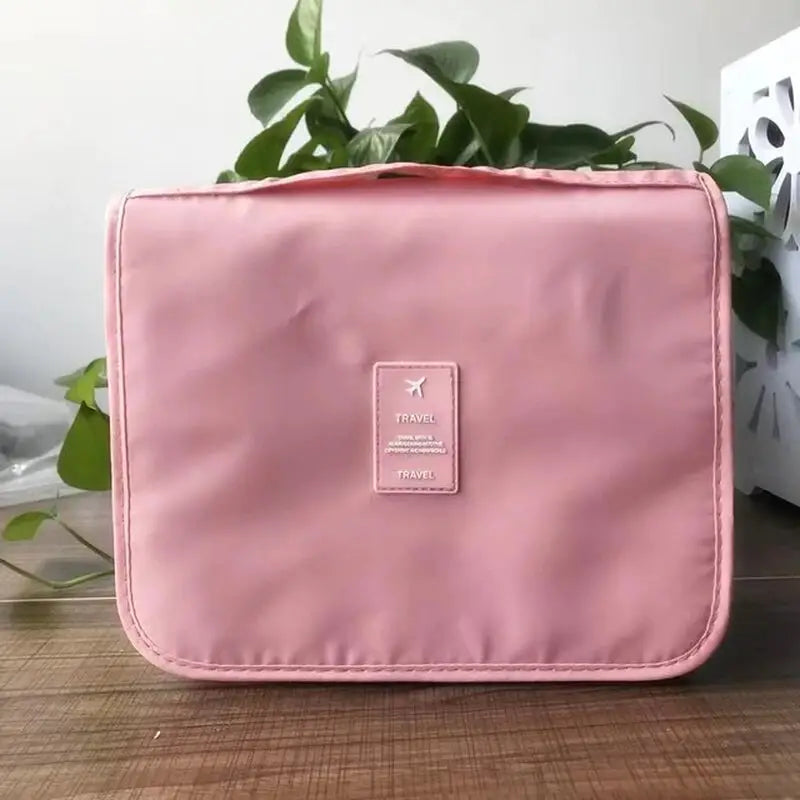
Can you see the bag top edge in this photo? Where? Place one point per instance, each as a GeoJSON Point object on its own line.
{"type": "Point", "coordinates": [517, 175]}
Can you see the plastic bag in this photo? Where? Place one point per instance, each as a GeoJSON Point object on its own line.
{"type": "Point", "coordinates": [32, 429]}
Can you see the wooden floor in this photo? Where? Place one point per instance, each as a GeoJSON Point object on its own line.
{"type": "Point", "coordinates": [83, 716]}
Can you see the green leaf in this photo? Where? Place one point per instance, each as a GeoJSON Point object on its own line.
{"type": "Point", "coordinates": [375, 145]}
{"type": "Point", "coordinates": [496, 122]}
{"type": "Point", "coordinates": [453, 61]}
{"type": "Point", "coordinates": [510, 94]}
{"type": "Point", "coordinates": [745, 176]}
{"type": "Point", "coordinates": [651, 165]}
{"type": "Point", "coordinates": [757, 299]}
{"type": "Point", "coordinates": [82, 388]}
{"type": "Point", "coordinates": [325, 125]}
{"type": "Point", "coordinates": [626, 143]}
{"type": "Point", "coordinates": [68, 380]}
{"type": "Point", "coordinates": [337, 158]}
{"type": "Point", "coordinates": [563, 146]}
{"type": "Point", "coordinates": [229, 176]}
{"type": "Point", "coordinates": [304, 159]}
{"type": "Point", "coordinates": [457, 144]}
{"type": "Point", "coordinates": [304, 33]}
{"type": "Point", "coordinates": [324, 120]}
{"type": "Point", "coordinates": [273, 92]}
{"type": "Point", "coordinates": [26, 525]}
{"type": "Point", "coordinates": [419, 141]}
{"type": "Point", "coordinates": [343, 87]}
{"type": "Point", "coordinates": [747, 226]}
{"type": "Point", "coordinates": [262, 155]}
{"type": "Point", "coordinates": [318, 71]}
{"type": "Point", "coordinates": [748, 240]}
{"type": "Point", "coordinates": [621, 153]}
{"type": "Point", "coordinates": [85, 459]}
{"type": "Point", "coordinates": [704, 127]}
{"type": "Point", "coordinates": [640, 126]}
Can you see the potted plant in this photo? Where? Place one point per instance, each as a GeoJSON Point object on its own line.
{"type": "Point", "coordinates": [485, 129]}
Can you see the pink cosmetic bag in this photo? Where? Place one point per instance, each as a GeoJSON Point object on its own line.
{"type": "Point", "coordinates": [461, 425]}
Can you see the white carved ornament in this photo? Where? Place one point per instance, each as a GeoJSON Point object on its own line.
{"type": "Point", "coordinates": [761, 117]}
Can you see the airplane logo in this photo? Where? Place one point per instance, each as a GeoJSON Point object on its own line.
{"type": "Point", "coordinates": [415, 387]}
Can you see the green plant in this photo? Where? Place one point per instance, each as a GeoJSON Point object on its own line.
{"type": "Point", "coordinates": [26, 525]}
{"type": "Point", "coordinates": [485, 129]}
{"type": "Point", "coordinates": [83, 462]}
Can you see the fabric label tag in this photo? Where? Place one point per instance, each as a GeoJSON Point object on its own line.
{"type": "Point", "coordinates": [415, 427]}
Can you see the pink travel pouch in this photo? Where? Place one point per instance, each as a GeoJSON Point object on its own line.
{"type": "Point", "coordinates": [462, 425]}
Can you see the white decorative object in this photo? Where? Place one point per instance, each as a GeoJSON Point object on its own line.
{"type": "Point", "coordinates": [761, 116]}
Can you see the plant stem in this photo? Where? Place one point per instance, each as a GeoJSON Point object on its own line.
{"type": "Point", "coordinates": [326, 84]}
{"type": "Point", "coordinates": [85, 542]}
{"type": "Point", "coordinates": [56, 584]}
{"type": "Point", "coordinates": [90, 576]}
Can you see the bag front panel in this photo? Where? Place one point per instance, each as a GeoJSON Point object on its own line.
{"type": "Point", "coordinates": [588, 324]}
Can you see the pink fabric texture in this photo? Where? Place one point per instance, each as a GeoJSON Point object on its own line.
{"type": "Point", "coordinates": [585, 533]}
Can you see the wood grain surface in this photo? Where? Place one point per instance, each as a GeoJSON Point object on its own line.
{"type": "Point", "coordinates": [83, 716]}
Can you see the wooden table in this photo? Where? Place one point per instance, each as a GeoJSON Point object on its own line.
{"type": "Point", "coordinates": [83, 716]}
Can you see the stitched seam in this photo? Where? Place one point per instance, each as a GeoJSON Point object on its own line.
{"type": "Point", "coordinates": [286, 184]}
{"type": "Point", "coordinates": [719, 406]}
{"type": "Point", "coordinates": [657, 179]}
{"type": "Point", "coordinates": [453, 434]}
{"type": "Point", "coordinates": [123, 491]}
{"type": "Point", "coordinates": [139, 631]}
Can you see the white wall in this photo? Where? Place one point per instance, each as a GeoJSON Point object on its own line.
{"type": "Point", "coordinates": [97, 96]}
